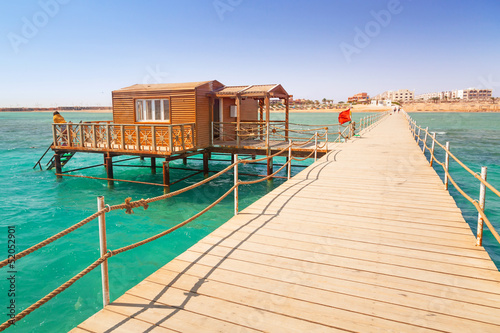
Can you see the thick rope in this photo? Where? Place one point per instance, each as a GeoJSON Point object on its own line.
{"type": "Point", "coordinates": [130, 205]}
{"type": "Point", "coordinates": [55, 237]}
{"type": "Point", "coordinates": [54, 293]}
{"type": "Point", "coordinates": [488, 185]}
{"type": "Point", "coordinates": [302, 159]}
{"type": "Point", "coordinates": [265, 178]}
{"type": "Point", "coordinates": [265, 158]}
{"type": "Point", "coordinates": [166, 232]}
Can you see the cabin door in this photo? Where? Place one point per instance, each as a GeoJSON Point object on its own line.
{"type": "Point", "coordinates": [216, 117]}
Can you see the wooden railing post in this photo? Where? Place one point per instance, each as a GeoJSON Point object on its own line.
{"type": "Point", "coordinates": [236, 181]}
{"type": "Point", "coordinates": [326, 139]}
{"type": "Point", "coordinates": [425, 139]}
{"type": "Point", "coordinates": [68, 134]}
{"type": "Point", "coordinates": [182, 138]}
{"type": "Point", "coordinates": [432, 147]}
{"type": "Point", "coordinates": [315, 146]}
{"type": "Point", "coordinates": [153, 138]}
{"type": "Point", "coordinates": [108, 137]}
{"type": "Point", "coordinates": [122, 130]}
{"type": "Point", "coordinates": [103, 250]}
{"type": "Point", "coordinates": [171, 139]}
{"type": "Point", "coordinates": [54, 134]}
{"type": "Point", "coordinates": [267, 136]}
{"type": "Point", "coordinates": [482, 205]}
{"type": "Point", "coordinates": [446, 165]}
{"type": "Point", "coordinates": [94, 136]}
{"type": "Point", "coordinates": [82, 135]}
{"type": "Point", "coordinates": [138, 137]}
{"type": "Point", "coordinates": [212, 134]}
{"type": "Point", "coordinates": [289, 159]}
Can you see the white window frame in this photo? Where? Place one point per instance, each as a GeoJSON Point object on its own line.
{"type": "Point", "coordinates": [153, 110]}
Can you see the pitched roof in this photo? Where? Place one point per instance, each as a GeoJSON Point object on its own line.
{"type": "Point", "coordinates": [275, 90]}
{"type": "Point", "coordinates": [165, 86]}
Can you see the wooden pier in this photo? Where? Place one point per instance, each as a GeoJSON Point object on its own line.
{"type": "Point", "coordinates": [364, 240]}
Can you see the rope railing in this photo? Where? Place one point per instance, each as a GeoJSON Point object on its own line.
{"type": "Point", "coordinates": [479, 205]}
{"type": "Point", "coordinates": [129, 205]}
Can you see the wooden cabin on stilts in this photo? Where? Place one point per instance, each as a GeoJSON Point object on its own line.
{"type": "Point", "coordinates": [177, 121]}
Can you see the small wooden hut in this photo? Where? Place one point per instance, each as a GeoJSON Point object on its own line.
{"type": "Point", "coordinates": [167, 119]}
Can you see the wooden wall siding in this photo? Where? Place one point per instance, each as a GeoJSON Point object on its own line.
{"type": "Point", "coordinates": [124, 109]}
{"type": "Point", "coordinates": [203, 115]}
{"type": "Point", "coordinates": [226, 110]}
{"type": "Point", "coordinates": [249, 110]}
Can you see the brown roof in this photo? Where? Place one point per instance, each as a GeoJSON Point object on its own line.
{"type": "Point", "coordinates": [275, 90]}
{"type": "Point", "coordinates": [165, 86]}
{"type": "Point", "coordinates": [231, 90]}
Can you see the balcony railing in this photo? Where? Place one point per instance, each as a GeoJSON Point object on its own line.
{"type": "Point", "coordinates": [106, 136]}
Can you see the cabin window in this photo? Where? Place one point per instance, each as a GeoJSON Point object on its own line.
{"type": "Point", "coordinates": [152, 110]}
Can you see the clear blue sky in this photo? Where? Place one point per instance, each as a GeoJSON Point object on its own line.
{"type": "Point", "coordinates": [81, 50]}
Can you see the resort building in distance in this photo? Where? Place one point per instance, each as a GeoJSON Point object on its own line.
{"type": "Point", "coordinates": [401, 95]}
{"type": "Point", "coordinates": [464, 94]}
{"type": "Point", "coordinates": [359, 98]}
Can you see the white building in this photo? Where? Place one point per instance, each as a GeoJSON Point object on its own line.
{"type": "Point", "coordinates": [401, 95]}
{"type": "Point", "coordinates": [466, 94]}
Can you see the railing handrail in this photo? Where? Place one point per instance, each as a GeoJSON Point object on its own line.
{"type": "Point", "coordinates": [109, 122]}
{"type": "Point", "coordinates": [478, 204]}
{"type": "Point", "coordinates": [475, 174]}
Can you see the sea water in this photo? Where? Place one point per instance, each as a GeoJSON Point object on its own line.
{"type": "Point", "coordinates": [475, 140]}
{"type": "Point", "coordinates": [39, 206]}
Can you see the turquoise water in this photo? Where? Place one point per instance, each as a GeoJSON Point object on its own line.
{"type": "Point", "coordinates": [39, 206]}
{"type": "Point", "coordinates": [475, 140]}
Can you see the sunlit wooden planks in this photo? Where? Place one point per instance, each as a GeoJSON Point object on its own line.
{"type": "Point", "coordinates": [364, 240]}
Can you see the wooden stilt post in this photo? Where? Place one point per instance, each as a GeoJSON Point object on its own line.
{"type": "Point", "coordinates": [166, 176]}
{"type": "Point", "coordinates": [268, 117]}
{"type": "Point", "coordinates": [103, 249]}
{"type": "Point", "coordinates": [142, 158]}
{"type": "Point", "coordinates": [270, 165]}
{"type": "Point", "coordinates": [205, 164]}
{"type": "Point", "coordinates": [153, 165]}
{"type": "Point", "coordinates": [261, 118]}
{"type": "Point", "coordinates": [482, 204]}
{"type": "Point", "coordinates": [109, 169]}
{"type": "Point", "coordinates": [185, 160]}
{"type": "Point", "coordinates": [232, 158]}
{"type": "Point", "coordinates": [57, 162]}
{"type": "Point", "coordinates": [238, 120]}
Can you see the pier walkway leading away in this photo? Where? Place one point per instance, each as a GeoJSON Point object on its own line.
{"type": "Point", "coordinates": [366, 239]}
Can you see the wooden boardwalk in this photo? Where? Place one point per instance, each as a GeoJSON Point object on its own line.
{"type": "Point", "coordinates": [364, 240]}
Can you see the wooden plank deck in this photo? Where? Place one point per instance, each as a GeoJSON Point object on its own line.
{"type": "Point", "coordinates": [364, 240]}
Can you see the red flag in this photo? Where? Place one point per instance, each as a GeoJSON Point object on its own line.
{"type": "Point", "coordinates": [344, 116]}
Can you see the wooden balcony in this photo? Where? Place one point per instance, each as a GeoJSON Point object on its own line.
{"type": "Point", "coordinates": [131, 139]}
